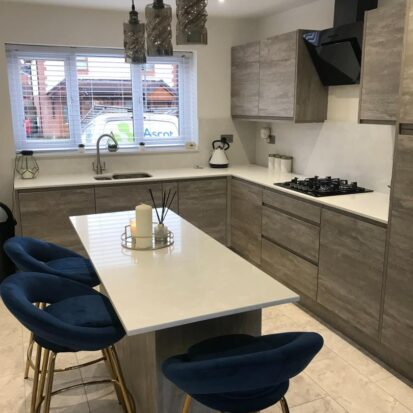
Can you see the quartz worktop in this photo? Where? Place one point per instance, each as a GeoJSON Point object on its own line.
{"type": "Point", "coordinates": [374, 205]}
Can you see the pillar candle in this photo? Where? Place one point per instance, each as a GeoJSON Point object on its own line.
{"type": "Point", "coordinates": [144, 225]}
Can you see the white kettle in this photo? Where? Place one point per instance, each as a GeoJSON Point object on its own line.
{"type": "Point", "coordinates": [219, 158]}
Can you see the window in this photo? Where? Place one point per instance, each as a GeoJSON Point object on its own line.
{"type": "Point", "coordinates": [62, 97]}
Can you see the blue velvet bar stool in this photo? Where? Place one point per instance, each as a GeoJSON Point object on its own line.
{"type": "Point", "coordinates": [32, 255]}
{"type": "Point", "coordinates": [77, 318]}
{"type": "Point", "coordinates": [241, 373]}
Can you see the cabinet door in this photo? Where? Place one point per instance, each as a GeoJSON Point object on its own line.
{"type": "Point", "coordinates": [125, 197]}
{"type": "Point", "coordinates": [351, 269]}
{"type": "Point", "coordinates": [406, 96]}
{"type": "Point", "coordinates": [204, 204]}
{"type": "Point", "coordinates": [382, 60]}
{"type": "Point", "coordinates": [45, 214]}
{"type": "Point", "coordinates": [397, 330]}
{"type": "Point", "coordinates": [245, 72]}
{"type": "Point", "coordinates": [277, 76]}
{"type": "Point", "coordinates": [246, 213]}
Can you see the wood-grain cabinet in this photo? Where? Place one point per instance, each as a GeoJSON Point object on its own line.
{"type": "Point", "coordinates": [397, 330]}
{"type": "Point", "coordinates": [382, 63]}
{"type": "Point", "coordinates": [290, 245]}
{"type": "Point", "coordinates": [44, 214]}
{"type": "Point", "coordinates": [245, 79]}
{"type": "Point", "coordinates": [204, 204]}
{"type": "Point", "coordinates": [276, 79]}
{"type": "Point", "coordinates": [351, 268]}
{"type": "Point", "coordinates": [246, 213]}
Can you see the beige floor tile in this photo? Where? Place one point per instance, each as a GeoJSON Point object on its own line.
{"type": "Point", "coordinates": [355, 392]}
{"type": "Point", "coordinates": [272, 312]}
{"type": "Point", "coordinates": [273, 409]}
{"type": "Point", "coordinates": [361, 361]}
{"type": "Point", "coordinates": [302, 390]}
{"type": "Point", "coordinates": [11, 360]}
{"type": "Point", "coordinates": [102, 399]}
{"type": "Point", "coordinates": [325, 405]}
{"type": "Point", "coordinates": [12, 394]}
{"type": "Point", "coordinates": [399, 390]}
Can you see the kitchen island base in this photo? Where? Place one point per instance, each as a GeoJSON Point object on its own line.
{"type": "Point", "coordinates": [141, 358]}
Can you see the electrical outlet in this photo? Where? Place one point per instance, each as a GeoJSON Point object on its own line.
{"type": "Point", "coordinates": [229, 138]}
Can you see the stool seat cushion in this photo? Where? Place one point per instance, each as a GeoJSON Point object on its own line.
{"type": "Point", "coordinates": [32, 255]}
{"type": "Point", "coordinates": [78, 318]}
{"type": "Point", "coordinates": [241, 373]}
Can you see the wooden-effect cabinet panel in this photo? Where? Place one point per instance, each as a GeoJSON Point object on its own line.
{"type": "Point", "coordinates": [406, 96]}
{"type": "Point", "coordinates": [291, 233]}
{"type": "Point", "coordinates": [397, 332]}
{"type": "Point", "coordinates": [351, 268]}
{"type": "Point", "coordinates": [294, 206]}
{"type": "Point", "coordinates": [382, 61]}
{"type": "Point", "coordinates": [45, 214]}
{"type": "Point", "coordinates": [277, 76]}
{"type": "Point", "coordinates": [245, 72]}
{"type": "Point", "coordinates": [114, 198]}
{"type": "Point", "coordinates": [246, 214]}
{"type": "Point", "coordinates": [204, 204]}
{"type": "Point", "coordinates": [290, 269]}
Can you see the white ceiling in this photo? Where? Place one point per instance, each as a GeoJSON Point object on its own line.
{"type": "Point", "coordinates": [227, 8]}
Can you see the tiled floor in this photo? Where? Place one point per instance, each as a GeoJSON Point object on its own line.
{"type": "Point", "coordinates": [341, 378]}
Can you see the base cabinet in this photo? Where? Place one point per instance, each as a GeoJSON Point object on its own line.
{"type": "Point", "coordinates": [45, 214]}
{"type": "Point", "coordinates": [204, 204]}
{"type": "Point", "coordinates": [351, 270]}
{"type": "Point", "coordinates": [246, 213]}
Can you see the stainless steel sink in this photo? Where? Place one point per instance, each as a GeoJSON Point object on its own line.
{"type": "Point", "coordinates": [134, 175]}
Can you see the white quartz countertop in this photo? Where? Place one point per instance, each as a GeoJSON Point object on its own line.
{"type": "Point", "coordinates": [195, 279]}
{"type": "Point", "coordinates": [373, 205]}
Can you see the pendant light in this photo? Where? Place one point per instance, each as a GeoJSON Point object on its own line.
{"type": "Point", "coordinates": [192, 17]}
{"type": "Point", "coordinates": [159, 29]}
{"type": "Point", "coordinates": [134, 38]}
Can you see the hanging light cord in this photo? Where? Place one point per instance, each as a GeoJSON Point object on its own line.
{"type": "Point", "coordinates": [133, 5]}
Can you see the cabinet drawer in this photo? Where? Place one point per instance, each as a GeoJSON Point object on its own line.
{"type": "Point", "coordinates": [287, 267]}
{"type": "Point", "coordinates": [293, 206]}
{"type": "Point", "coordinates": [298, 236]}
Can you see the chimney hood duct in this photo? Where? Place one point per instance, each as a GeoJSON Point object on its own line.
{"type": "Point", "coordinates": [336, 52]}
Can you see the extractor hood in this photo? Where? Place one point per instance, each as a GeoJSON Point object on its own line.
{"type": "Point", "coordinates": [336, 52]}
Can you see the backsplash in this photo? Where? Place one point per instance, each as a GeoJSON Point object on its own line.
{"type": "Point", "coordinates": [362, 153]}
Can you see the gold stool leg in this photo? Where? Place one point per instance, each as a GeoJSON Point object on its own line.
{"type": "Point", "coordinates": [29, 356]}
{"type": "Point", "coordinates": [36, 379]}
{"type": "Point", "coordinates": [119, 377]}
{"type": "Point", "coordinates": [187, 404]}
{"type": "Point", "coordinates": [40, 392]}
{"type": "Point", "coordinates": [49, 383]}
{"type": "Point", "coordinates": [284, 405]}
{"type": "Point", "coordinates": [109, 366]}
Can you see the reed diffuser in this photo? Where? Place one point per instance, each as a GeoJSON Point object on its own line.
{"type": "Point", "coordinates": [161, 230]}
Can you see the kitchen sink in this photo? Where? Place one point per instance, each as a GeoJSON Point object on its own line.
{"type": "Point", "coordinates": [134, 175]}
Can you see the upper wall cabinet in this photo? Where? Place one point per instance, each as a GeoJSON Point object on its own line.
{"type": "Point", "coordinates": [406, 106]}
{"type": "Point", "coordinates": [245, 79]}
{"type": "Point", "coordinates": [280, 84]}
{"type": "Point", "coordinates": [382, 60]}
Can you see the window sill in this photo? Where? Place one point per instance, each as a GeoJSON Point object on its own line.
{"type": "Point", "coordinates": [121, 152]}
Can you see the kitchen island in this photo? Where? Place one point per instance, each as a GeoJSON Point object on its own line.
{"type": "Point", "coordinates": [171, 298]}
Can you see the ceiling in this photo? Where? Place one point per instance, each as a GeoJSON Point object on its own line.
{"type": "Point", "coordinates": [224, 8]}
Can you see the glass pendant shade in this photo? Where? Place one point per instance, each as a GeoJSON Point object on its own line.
{"type": "Point", "coordinates": [159, 29]}
{"type": "Point", "coordinates": [134, 39]}
{"type": "Point", "coordinates": [192, 17]}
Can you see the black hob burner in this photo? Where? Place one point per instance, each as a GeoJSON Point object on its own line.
{"type": "Point", "coordinates": [319, 187]}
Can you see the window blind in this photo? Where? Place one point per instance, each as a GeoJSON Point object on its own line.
{"type": "Point", "coordinates": [62, 97]}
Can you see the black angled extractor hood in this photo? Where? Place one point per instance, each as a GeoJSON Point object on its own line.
{"type": "Point", "coordinates": [336, 52]}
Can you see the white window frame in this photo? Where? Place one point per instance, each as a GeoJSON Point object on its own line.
{"type": "Point", "coordinates": [188, 119]}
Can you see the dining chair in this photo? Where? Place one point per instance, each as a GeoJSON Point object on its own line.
{"type": "Point", "coordinates": [76, 318]}
{"type": "Point", "coordinates": [32, 255]}
{"type": "Point", "coordinates": [241, 373]}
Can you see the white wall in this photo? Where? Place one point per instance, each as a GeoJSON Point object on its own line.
{"type": "Point", "coordinates": [51, 25]}
{"type": "Point", "coordinates": [341, 146]}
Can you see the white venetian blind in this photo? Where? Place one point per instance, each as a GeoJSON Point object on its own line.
{"type": "Point", "coordinates": [65, 96]}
